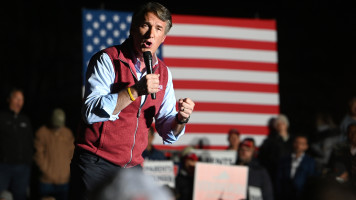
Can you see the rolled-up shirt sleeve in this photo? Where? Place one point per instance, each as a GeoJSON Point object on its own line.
{"type": "Point", "coordinates": [99, 102]}
{"type": "Point", "coordinates": [166, 115]}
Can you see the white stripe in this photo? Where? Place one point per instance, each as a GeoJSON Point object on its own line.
{"type": "Point", "coordinates": [224, 32]}
{"type": "Point", "coordinates": [203, 117]}
{"type": "Point", "coordinates": [235, 54]}
{"type": "Point", "coordinates": [183, 73]}
{"type": "Point", "coordinates": [219, 139]}
{"type": "Point", "coordinates": [229, 96]}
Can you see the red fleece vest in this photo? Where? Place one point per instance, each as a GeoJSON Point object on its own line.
{"type": "Point", "coordinates": [122, 141]}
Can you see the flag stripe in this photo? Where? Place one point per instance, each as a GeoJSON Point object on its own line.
{"type": "Point", "coordinates": [230, 107]}
{"type": "Point", "coordinates": [204, 117]}
{"type": "Point", "coordinates": [219, 96]}
{"type": "Point", "coordinates": [207, 20]}
{"type": "Point", "coordinates": [226, 86]}
{"type": "Point", "coordinates": [224, 75]}
{"type": "Point", "coordinates": [175, 51]}
{"type": "Point", "coordinates": [211, 140]}
{"type": "Point", "coordinates": [242, 44]}
{"type": "Point", "coordinates": [221, 64]}
{"type": "Point", "coordinates": [204, 128]}
{"type": "Point", "coordinates": [226, 32]}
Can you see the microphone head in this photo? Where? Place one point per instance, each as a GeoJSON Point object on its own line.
{"type": "Point", "coordinates": [147, 54]}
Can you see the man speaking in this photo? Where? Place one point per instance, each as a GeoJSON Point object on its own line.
{"type": "Point", "coordinates": [118, 106]}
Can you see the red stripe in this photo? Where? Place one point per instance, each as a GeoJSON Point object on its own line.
{"type": "Point", "coordinates": [224, 21]}
{"type": "Point", "coordinates": [224, 128]}
{"type": "Point", "coordinates": [243, 108]}
{"type": "Point", "coordinates": [217, 42]}
{"type": "Point", "coordinates": [229, 86]}
{"type": "Point", "coordinates": [221, 64]}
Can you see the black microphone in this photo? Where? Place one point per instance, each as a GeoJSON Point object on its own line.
{"type": "Point", "coordinates": [147, 57]}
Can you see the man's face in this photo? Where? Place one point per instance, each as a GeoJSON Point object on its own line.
{"type": "Point", "coordinates": [246, 153]}
{"type": "Point", "coordinates": [149, 34]}
{"type": "Point", "coordinates": [16, 101]}
{"type": "Point", "coordinates": [300, 145]}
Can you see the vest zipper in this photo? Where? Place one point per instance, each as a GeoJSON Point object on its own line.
{"type": "Point", "coordinates": [134, 140]}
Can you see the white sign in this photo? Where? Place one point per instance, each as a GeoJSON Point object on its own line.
{"type": "Point", "coordinates": [224, 157]}
{"type": "Point", "coordinates": [215, 182]}
{"type": "Point", "coordinates": [161, 171]}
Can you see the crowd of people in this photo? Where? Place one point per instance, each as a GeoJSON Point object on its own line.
{"type": "Point", "coordinates": [35, 164]}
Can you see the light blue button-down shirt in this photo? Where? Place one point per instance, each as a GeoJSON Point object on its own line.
{"type": "Point", "coordinates": [100, 102]}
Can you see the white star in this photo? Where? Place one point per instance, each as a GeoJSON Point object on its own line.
{"type": "Point", "coordinates": [96, 25]}
{"type": "Point", "coordinates": [89, 17]}
{"type": "Point", "coordinates": [116, 18]}
{"type": "Point", "coordinates": [109, 25]}
{"type": "Point", "coordinates": [102, 17]}
{"type": "Point", "coordinates": [116, 33]}
{"type": "Point", "coordinates": [102, 33]}
{"type": "Point", "coordinates": [89, 32]}
{"type": "Point", "coordinates": [89, 48]}
{"type": "Point", "coordinates": [123, 26]}
{"type": "Point", "coordinates": [96, 40]}
{"type": "Point", "coordinates": [109, 41]}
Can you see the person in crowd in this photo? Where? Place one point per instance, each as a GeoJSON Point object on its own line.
{"type": "Point", "coordinates": [343, 158]}
{"type": "Point", "coordinates": [295, 170]}
{"type": "Point", "coordinates": [151, 153]}
{"type": "Point", "coordinates": [121, 101]}
{"type": "Point", "coordinates": [258, 176]}
{"type": "Point", "coordinates": [54, 144]}
{"type": "Point", "coordinates": [185, 178]}
{"type": "Point", "coordinates": [16, 147]}
{"type": "Point", "coordinates": [130, 185]}
{"type": "Point", "coordinates": [325, 137]}
{"type": "Point", "coordinates": [276, 145]}
{"type": "Point", "coordinates": [233, 139]}
{"type": "Point", "coordinates": [349, 118]}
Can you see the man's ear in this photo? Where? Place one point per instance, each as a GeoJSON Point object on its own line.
{"type": "Point", "coordinates": [164, 38]}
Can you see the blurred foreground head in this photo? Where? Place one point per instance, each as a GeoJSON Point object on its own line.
{"type": "Point", "coordinates": [131, 184]}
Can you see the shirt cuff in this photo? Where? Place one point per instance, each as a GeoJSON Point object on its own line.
{"type": "Point", "coordinates": [109, 104]}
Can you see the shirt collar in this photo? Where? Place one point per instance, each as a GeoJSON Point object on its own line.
{"type": "Point", "coordinates": [137, 61]}
{"type": "Point", "coordinates": [294, 156]}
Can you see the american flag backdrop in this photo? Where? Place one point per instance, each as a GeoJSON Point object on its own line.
{"type": "Point", "coordinates": [228, 66]}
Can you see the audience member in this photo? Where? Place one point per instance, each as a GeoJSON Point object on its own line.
{"type": "Point", "coordinates": [54, 145]}
{"type": "Point", "coordinates": [325, 137]}
{"type": "Point", "coordinates": [16, 142]}
{"type": "Point", "coordinates": [350, 117]}
{"type": "Point", "coordinates": [185, 177]}
{"type": "Point", "coordinates": [258, 176]}
{"type": "Point", "coordinates": [151, 153]}
{"type": "Point", "coordinates": [233, 139]}
{"type": "Point", "coordinates": [131, 185]}
{"type": "Point", "coordinates": [276, 146]}
{"type": "Point", "coordinates": [294, 170]}
{"type": "Point", "coordinates": [343, 158]}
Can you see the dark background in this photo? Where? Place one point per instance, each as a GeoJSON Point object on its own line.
{"type": "Point", "coordinates": [41, 52]}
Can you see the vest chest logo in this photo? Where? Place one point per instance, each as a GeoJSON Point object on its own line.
{"type": "Point", "coordinates": [160, 87]}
